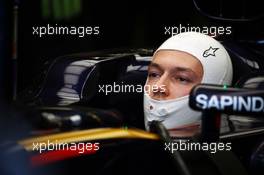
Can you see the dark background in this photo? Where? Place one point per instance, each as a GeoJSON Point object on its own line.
{"type": "Point", "coordinates": [123, 24]}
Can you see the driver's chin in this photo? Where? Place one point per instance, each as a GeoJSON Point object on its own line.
{"type": "Point", "coordinates": [185, 130]}
{"type": "Point", "coordinates": [162, 98]}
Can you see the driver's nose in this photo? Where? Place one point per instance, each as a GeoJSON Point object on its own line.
{"type": "Point", "coordinates": [161, 92]}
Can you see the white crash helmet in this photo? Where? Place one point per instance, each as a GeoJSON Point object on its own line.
{"type": "Point", "coordinates": [217, 69]}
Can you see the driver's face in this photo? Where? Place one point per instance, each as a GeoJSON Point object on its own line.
{"type": "Point", "coordinates": [173, 73]}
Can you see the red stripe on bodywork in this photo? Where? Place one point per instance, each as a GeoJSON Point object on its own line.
{"type": "Point", "coordinates": [57, 155]}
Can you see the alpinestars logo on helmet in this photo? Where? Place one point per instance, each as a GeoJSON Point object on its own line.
{"type": "Point", "coordinates": [210, 52]}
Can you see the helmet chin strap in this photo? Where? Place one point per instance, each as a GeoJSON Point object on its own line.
{"type": "Point", "coordinates": [172, 113]}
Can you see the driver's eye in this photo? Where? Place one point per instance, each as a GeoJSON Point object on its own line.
{"type": "Point", "coordinates": [153, 75]}
{"type": "Point", "coordinates": [183, 80]}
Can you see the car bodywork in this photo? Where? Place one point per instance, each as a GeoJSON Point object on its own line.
{"type": "Point", "coordinates": [70, 85]}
